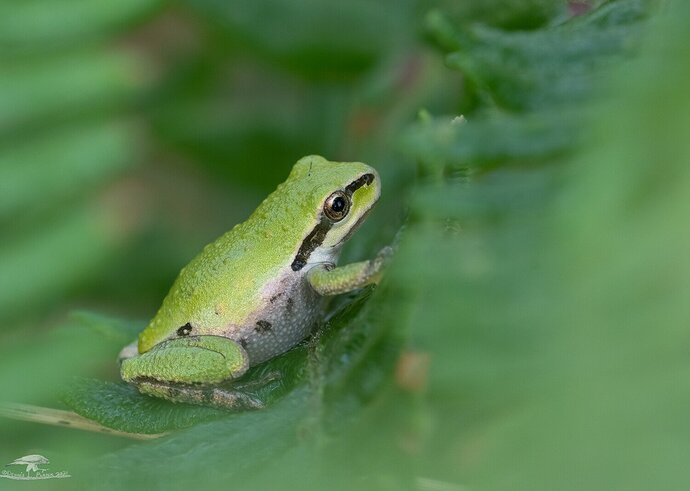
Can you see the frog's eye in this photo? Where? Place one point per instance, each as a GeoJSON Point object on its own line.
{"type": "Point", "coordinates": [337, 206]}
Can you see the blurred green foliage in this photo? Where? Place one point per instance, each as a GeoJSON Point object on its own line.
{"type": "Point", "coordinates": [530, 331]}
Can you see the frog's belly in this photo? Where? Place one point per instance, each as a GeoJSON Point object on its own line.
{"type": "Point", "coordinates": [288, 317]}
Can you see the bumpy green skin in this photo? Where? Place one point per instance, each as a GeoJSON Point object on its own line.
{"type": "Point", "coordinates": [225, 294]}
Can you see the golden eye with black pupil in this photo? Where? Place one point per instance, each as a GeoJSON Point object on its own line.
{"type": "Point", "coordinates": [337, 206]}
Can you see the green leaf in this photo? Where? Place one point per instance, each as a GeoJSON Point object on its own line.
{"type": "Point", "coordinates": [43, 263]}
{"type": "Point", "coordinates": [32, 94]}
{"type": "Point", "coordinates": [39, 174]}
{"type": "Point", "coordinates": [567, 297]}
{"type": "Point", "coordinates": [505, 14]}
{"type": "Point", "coordinates": [537, 87]}
{"type": "Point", "coordinates": [235, 446]}
{"type": "Point", "coordinates": [30, 26]}
{"type": "Point", "coordinates": [316, 38]}
{"type": "Point", "coordinates": [37, 369]}
{"type": "Point", "coordinates": [121, 406]}
{"type": "Point", "coordinates": [493, 139]}
{"type": "Point", "coordinates": [115, 331]}
{"type": "Point", "coordinates": [532, 70]}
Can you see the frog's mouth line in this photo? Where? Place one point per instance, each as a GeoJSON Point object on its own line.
{"type": "Point", "coordinates": [318, 234]}
{"type": "Point", "coordinates": [354, 228]}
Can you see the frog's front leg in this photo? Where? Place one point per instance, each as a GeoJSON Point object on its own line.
{"type": "Point", "coordinates": [189, 370]}
{"type": "Point", "coordinates": [327, 280]}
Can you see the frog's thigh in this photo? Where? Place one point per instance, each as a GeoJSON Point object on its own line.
{"type": "Point", "coordinates": [188, 360]}
{"type": "Point", "coordinates": [344, 278]}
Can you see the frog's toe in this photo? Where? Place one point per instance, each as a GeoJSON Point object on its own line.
{"type": "Point", "coordinates": [129, 351]}
{"type": "Point", "coordinates": [262, 381]}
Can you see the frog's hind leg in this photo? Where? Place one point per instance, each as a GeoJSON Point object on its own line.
{"type": "Point", "coordinates": [190, 369]}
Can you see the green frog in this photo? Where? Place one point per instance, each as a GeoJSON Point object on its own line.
{"type": "Point", "coordinates": [256, 291]}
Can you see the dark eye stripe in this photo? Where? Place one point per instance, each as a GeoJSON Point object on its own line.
{"type": "Point", "coordinates": [355, 185]}
{"type": "Point", "coordinates": [318, 234]}
{"type": "Point", "coordinates": [310, 243]}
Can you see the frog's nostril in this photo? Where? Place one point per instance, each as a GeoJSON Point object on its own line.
{"type": "Point", "coordinates": [185, 330]}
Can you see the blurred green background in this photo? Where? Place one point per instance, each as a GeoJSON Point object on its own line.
{"type": "Point", "coordinates": [531, 332]}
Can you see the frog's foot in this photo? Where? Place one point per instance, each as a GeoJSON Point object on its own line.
{"type": "Point", "coordinates": [129, 351]}
{"type": "Point", "coordinates": [258, 383]}
{"type": "Point", "coordinates": [212, 396]}
{"type": "Point", "coordinates": [235, 396]}
{"type": "Point", "coordinates": [327, 280]}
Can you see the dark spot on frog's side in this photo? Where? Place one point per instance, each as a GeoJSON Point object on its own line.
{"type": "Point", "coordinates": [263, 326]}
{"type": "Point", "coordinates": [185, 330]}
{"type": "Point", "coordinates": [276, 297]}
{"type": "Point", "coordinates": [290, 304]}
{"type": "Point", "coordinates": [243, 342]}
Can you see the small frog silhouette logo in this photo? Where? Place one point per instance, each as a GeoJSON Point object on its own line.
{"type": "Point", "coordinates": [31, 462]}
{"type": "Point", "coordinates": [33, 471]}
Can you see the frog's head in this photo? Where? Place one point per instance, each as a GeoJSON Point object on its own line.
{"type": "Point", "coordinates": [337, 196]}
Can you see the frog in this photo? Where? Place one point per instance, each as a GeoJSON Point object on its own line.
{"type": "Point", "coordinates": [258, 290]}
